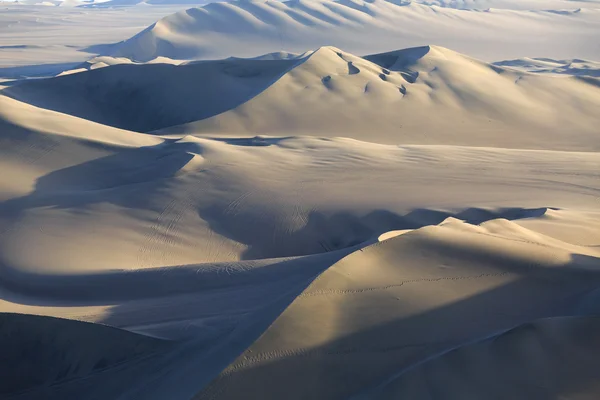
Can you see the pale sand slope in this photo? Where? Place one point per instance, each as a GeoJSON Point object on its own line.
{"type": "Point", "coordinates": [153, 96]}
{"type": "Point", "coordinates": [303, 266]}
{"type": "Point", "coordinates": [250, 28]}
{"type": "Point", "coordinates": [44, 41]}
{"type": "Point", "coordinates": [179, 239]}
{"type": "Point", "coordinates": [365, 321]}
{"type": "Point", "coordinates": [157, 202]}
{"type": "Point", "coordinates": [385, 98]}
{"type": "Point", "coordinates": [40, 40]}
{"type": "Point", "coordinates": [373, 318]}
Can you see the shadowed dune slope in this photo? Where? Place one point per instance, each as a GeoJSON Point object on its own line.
{"type": "Point", "coordinates": [556, 355]}
{"type": "Point", "coordinates": [411, 224]}
{"type": "Point", "coordinates": [40, 351]}
{"type": "Point", "coordinates": [379, 320]}
{"type": "Point", "coordinates": [159, 202]}
{"type": "Point", "coordinates": [393, 306]}
{"type": "Point", "coordinates": [196, 200]}
{"type": "Point", "coordinates": [152, 96]}
{"type": "Point", "coordinates": [391, 98]}
{"type": "Point", "coordinates": [383, 98]}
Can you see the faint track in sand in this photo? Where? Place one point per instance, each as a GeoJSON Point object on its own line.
{"type": "Point", "coordinates": [324, 292]}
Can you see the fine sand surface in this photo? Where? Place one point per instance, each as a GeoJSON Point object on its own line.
{"type": "Point", "coordinates": [311, 223]}
{"type": "Point", "coordinates": [44, 41]}
{"type": "Point", "coordinates": [486, 29]}
{"type": "Point", "coordinates": [385, 98]}
{"type": "Point", "coordinates": [41, 40]}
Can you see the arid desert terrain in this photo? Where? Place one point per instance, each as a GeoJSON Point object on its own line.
{"type": "Point", "coordinates": [309, 199]}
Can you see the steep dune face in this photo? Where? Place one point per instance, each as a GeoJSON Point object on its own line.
{"type": "Point", "coordinates": [384, 311]}
{"type": "Point", "coordinates": [361, 27]}
{"type": "Point", "coordinates": [35, 142]}
{"type": "Point", "coordinates": [410, 224]}
{"type": "Point", "coordinates": [392, 259]}
{"type": "Point", "coordinates": [392, 96]}
{"type": "Point", "coordinates": [380, 320]}
{"type": "Point", "coordinates": [385, 98]}
{"type": "Point", "coordinates": [196, 200]}
{"type": "Point", "coordinates": [153, 96]}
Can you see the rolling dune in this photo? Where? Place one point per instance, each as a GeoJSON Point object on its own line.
{"type": "Point", "coordinates": [390, 95]}
{"type": "Point", "coordinates": [213, 31]}
{"type": "Point", "coordinates": [304, 224]}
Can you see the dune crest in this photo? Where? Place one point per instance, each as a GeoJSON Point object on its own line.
{"type": "Point", "coordinates": [361, 27]}
{"type": "Point", "coordinates": [338, 93]}
{"type": "Point", "coordinates": [309, 199]}
{"type": "Point", "coordinates": [374, 309]}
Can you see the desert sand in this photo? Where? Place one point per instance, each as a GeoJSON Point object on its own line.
{"type": "Point", "coordinates": [358, 210]}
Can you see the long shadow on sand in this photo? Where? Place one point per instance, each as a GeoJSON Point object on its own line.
{"type": "Point", "coordinates": [150, 97]}
{"type": "Point", "coordinates": [362, 362]}
{"type": "Point", "coordinates": [130, 178]}
{"type": "Point", "coordinates": [325, 232]}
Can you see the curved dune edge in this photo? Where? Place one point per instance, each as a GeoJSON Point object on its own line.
{"type": "Point", "coordinates": [380, 309]}
{"type": "Point", "coordinates": [110, 285]}
{"type": "Point", "coordinates": [18, 117]}
{"type": "Point", "coordinates": [148, 97]}
{"type": "Point", "coordinates": [351, 222]}
{"type": "Point", "coordinates": [191, 201]}
{"type": "Point", "coordinates": [186, 364]}
{"type": "Point", "coordinates": [279, 283]}
{"type": "Point", "coordinates": [334, 93]}
{"type": "Point", "coordinates": [212, 31]}
{"type": "Point", "coordinates": [399, 302]}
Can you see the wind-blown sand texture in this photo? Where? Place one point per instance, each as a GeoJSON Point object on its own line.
{"type": "Point", "coordinates": [316, 224]}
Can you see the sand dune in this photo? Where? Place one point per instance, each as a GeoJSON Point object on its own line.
{"type": "Point", "coordinates": [390, 94]}
{"type": "Point", "coordinates": [213, 31]}
{"type": "Point", "coordinates": [509, 4]}
{"type": "Point", "coordinates": [125, 3]}
{"type": "Point", "coordinates": [412, 223]}
{"type": "Point", "coordinates": [198, 206]}
{"type": "Point", "coordinates": [475, 103]}
{"type": "Point", "coordinates": [374, 310]}
{"type": "Point", "coordinates": [473, 281]}
{"type": "Point", "coordinates": [254, 271]}
{"type": "Point", "coordinates": [44, 41]}
{"type": "Point", "coordinates": [153, 96]}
